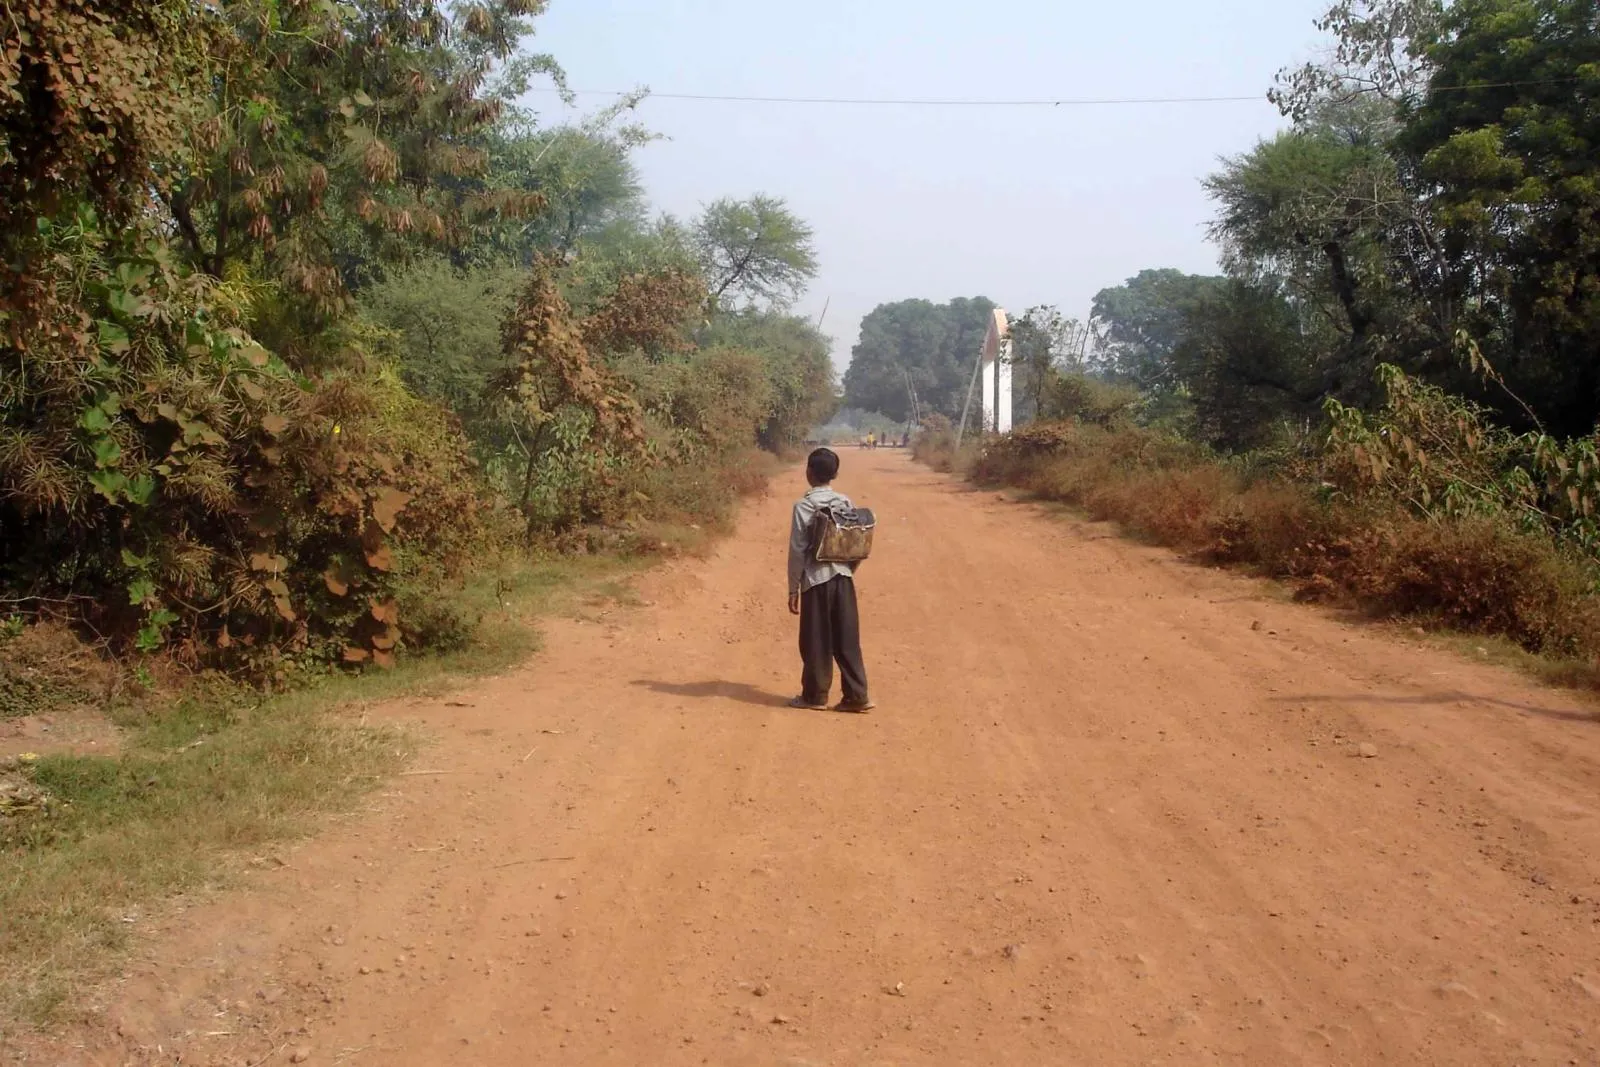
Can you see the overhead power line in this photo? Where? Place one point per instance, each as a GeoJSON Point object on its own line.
{"type": "Point", "coordinates": [902, 102]}
{"type": "Point", "coordinates": [1130, 101]}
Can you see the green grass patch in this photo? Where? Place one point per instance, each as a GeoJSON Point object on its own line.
{"type": "Point", "coordinates": [211, 775]}
{"type": "Point", "coordinates": [206, 780]}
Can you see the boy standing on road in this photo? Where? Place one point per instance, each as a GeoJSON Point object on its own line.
{"type": "Point", "coordinates": [824, 596]}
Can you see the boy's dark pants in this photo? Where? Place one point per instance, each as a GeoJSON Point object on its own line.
{"type": "Point", "coordinates": [830, 630]}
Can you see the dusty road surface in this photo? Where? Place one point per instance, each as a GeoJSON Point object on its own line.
{"type": "Point", "coordinates": [1101, 817]}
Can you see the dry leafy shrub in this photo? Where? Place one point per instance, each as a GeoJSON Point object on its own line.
{"type": "Point", "coordinates": [647, 312]}
{"type": "Point", "coordinates": [702, 413]}
{"type": "Point", "coordinates": [1478, 573]}
{"type": "Point", "coordinates": [169, 483]}
{"type": "Point", "coordinates": [91, 92]}
{"type": "Point", "coordinates": [580, 427]}
{"type": "Point", "coordinates": [1021, 453]}
{"type": "Point", "coordinates": [1485, 576]}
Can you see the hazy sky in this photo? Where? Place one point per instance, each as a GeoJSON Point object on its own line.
{"type": "Point", "coordinates": [1024, 205]}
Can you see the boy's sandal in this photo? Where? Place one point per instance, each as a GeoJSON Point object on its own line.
{"type": "Point", "coordinates": [803, 704]}
{"type": "Point", "coordinates": [855, 706]}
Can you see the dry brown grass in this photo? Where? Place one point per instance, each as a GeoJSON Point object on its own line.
{"type": "Point", "coordinates": [1479, 576]}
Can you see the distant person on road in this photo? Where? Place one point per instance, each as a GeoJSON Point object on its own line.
{"type": "Point", "coordinates": [872, 440]}
{"type": "Point", "coordinates": [824, 596]}
{"type": "Point", "coordinates": [905, 439]}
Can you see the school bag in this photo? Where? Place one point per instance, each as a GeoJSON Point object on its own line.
{"type": "Point", "coordinates": [843, 534]}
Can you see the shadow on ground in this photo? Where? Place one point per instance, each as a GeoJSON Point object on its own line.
{"type": "Point", "coordinates": [736, 691]}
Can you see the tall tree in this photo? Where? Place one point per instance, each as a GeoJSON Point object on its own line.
{"type": "Point", "coordinates": [754, 251]}
{"type": "Point", "coordinates": [931, 345]}
{"type": "Point", "coordinates": [583, 171]}
{"type": "Point", "coordinates": [341, 134]}
{"type": "Point", "coordinates": [1506, 148]}
{"type": "Point", "coordinates": [1379, 53]}
{"type": "Point", "coordinates": [1246, 364]}
{"type": "Point", "coordinates": [1042, 341]}
{"type": "Point", "coordinates": [1143, 320]}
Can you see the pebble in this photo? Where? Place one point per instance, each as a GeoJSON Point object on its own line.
{"type": "Point", "coordinates": [301, 1055]}
{"type": "Point", "coordinates": [1368, 750]}
{"type": "Point", "coordinates": [761, 989]}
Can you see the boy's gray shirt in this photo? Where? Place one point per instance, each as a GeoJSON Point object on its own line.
{"type": "Point", "coordinates": [804, 570]}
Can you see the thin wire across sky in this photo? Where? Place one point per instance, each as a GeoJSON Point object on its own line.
{"type": "Point", "coordinates": [1132, 101]}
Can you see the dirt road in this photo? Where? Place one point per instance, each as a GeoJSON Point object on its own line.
{"type": "Point", "coordinates": [1113, 810]}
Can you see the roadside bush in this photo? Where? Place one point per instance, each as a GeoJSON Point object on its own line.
{"type": "Point", "coordinates": [1078, 396]}
{"type": "Point", "coordinates": [169, 483]}
{"type": "Point", "coordinates": [704, 405]}
{"type": "Point", "coordinates": [1480, 573]}
{"type": "Point", "coordinates": [1484, 576]}
{"type": "Point", "coordinates": [935, 442]}
{"type": "Point", "coordinates": [1440, 456]}
{"type": "Point", "coordinates": [701, 413]}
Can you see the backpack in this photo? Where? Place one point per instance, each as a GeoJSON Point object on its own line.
{"type": "Point", "coordinates": [842, 534]}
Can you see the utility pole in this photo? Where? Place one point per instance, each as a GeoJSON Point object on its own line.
{"type": "Point", "coordinates": [911, 392]}
{"type": "Point", "coordinates": [972, 384]}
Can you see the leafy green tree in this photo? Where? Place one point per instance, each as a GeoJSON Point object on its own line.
{"type": "Point", "coordinates": [1246, 365]}
{"type": "Point", "coordinates": [916, 343]}
{"type": "Point", "coordinates": [1043, 341]}
{"type": "Point", "coordinates": [796, 362]}
{"type": "Point", "coordinates": [446, 324]}
{"type": "Point", "coordinates": [1379, 53]}
{"type": "Point", "coordinates": [1291, 209]}
{"type": "Point", "coordinates": [1506, 148]}
{"type": "Point", "coordinates": [584, 173]}
{"type": "Point", "coordinates": [345, 134]}
{"type": "Point", "coordinates": [753, 251]}
{"type": "Point", "coordinates": [1327, 211]}
{"type": "Point", "coordinates": [1141, 322]}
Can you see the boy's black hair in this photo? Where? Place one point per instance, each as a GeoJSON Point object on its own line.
{"type": "Point", "coordinates": [822, 466]}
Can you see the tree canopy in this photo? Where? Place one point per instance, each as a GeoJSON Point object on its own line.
{"type": "Point", "coordinates": [1141, 322]}
{"type": "Point", "coordinates": [1433, 207]}
{"type": "Point", "coordinates": [301, 317]}
{"type": "Point", "coordinates": [754, 252]}
{"type": "Point", "coordinates": [1504, 148]}
{"type": "Point", "coordinates": [915, 344]}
